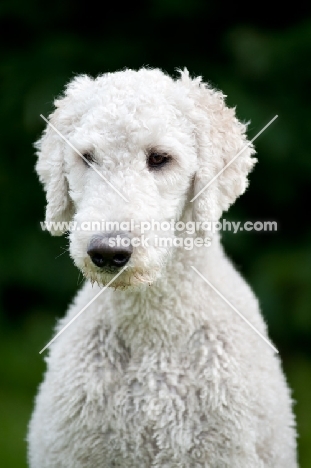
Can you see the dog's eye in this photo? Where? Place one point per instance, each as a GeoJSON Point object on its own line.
{"type": "Point", "coordinates": [157, 160]}
{"type": "Point", "coordinates": [87, 158]}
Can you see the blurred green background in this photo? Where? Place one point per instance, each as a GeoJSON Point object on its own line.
{"type": "Point", "coordinates": [261, 60]}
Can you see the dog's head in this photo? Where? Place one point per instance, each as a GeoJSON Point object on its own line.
{"type": "Point", "coordinates": [132, 148]}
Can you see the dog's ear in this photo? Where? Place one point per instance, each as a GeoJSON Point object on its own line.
{"type": "Point", "coordinates": [50, 151]}
{"type": "Point", "coordinates": [220, 138]}
{"type": "Point", "coordinates": [50, 168]}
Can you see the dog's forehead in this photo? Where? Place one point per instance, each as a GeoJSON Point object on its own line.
{"type": "Point", "coordinates": [129, 109]}
{"type": "Point", "coordinates": [116, 105]}
{"type": "Point", "coordinates": [116, 96]}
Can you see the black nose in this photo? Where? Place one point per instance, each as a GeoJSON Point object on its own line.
{"type": "Point", "coordinates": [112, 249]}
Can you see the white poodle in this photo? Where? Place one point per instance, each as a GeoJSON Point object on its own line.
{"type": "Point", "coordinates": [158, 371]}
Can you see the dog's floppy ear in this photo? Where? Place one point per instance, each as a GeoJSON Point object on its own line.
{"type": "Point", "coordinates": [220, 137]}
{"type": "Point", "coordinates": [50, 168]}
{"type": "Point", "coordinates": [50, 151]}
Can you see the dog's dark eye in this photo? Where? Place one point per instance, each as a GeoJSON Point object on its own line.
{"type": "Point", "coordinates": [157, 160]}
{"type": "Point", "coordinates": [87, 157]}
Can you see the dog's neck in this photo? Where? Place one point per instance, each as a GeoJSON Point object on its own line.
{"type": "Point", "coordinates": [162, 315]}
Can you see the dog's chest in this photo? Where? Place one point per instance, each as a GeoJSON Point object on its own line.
{"type": "Point", "coordinates": [152, 406]}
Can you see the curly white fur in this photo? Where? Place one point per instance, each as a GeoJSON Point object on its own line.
{"type": "Point", "coordinates": [158, 371]}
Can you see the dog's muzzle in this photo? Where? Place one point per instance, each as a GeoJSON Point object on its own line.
{"type": "Point", "coordinates": [110, 250]}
